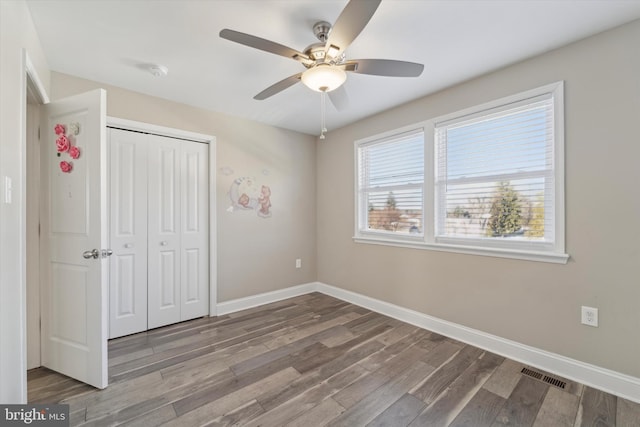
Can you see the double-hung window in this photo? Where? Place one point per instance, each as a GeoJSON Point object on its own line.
{"type": "Point", "coordinates": [491, 182]}
{"type": "Point", "coordinates": [391, 185]}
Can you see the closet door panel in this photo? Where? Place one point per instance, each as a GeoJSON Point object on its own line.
{"type": "Point", "coordinates": [167, 285]}
{"type": "Point", "coordinates": [128, 232]}
{"type": "Point", "coordinates": [195, 230]}
{"type": "Point", "coordinates": [191, 275]}
{"type": "Point", "coordinates": [164, 198]}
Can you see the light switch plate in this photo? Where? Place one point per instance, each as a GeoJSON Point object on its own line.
{"type": "Point", "coordinates": [7, 190]}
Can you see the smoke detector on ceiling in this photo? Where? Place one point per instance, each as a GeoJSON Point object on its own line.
{"type": "Point", "coordinates": [158, 70]}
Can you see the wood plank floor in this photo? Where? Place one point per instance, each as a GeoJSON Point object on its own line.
{"type": "Point", "coordinates": [312, 361]}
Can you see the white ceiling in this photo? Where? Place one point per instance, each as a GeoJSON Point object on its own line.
{"type": "Point", "coordinates": [110, 41]}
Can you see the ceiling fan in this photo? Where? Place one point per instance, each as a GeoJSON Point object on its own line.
{"type": "Point", "coordinates": [325, 62]}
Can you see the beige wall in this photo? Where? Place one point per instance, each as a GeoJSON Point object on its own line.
{"type": "Point", "coordinates": [255, 254]}
{"type": "Point", "coordinates": [17, 34]}
{"type": "Point", "coordinates": [530, 302]}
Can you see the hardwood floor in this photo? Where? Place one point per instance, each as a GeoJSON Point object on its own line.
{"type": "Point", "coordinates": [314, 360]}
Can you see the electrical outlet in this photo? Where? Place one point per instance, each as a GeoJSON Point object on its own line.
{"type": "Point", "coordinates": [589, 316]}
{"type": "Point", "coordinates": [298, 263]}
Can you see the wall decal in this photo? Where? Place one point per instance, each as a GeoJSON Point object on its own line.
{"type": "Point", "coordinates": [66, 144]}
{"type": "Point", "coordinates": [246, 194]}
{"type": "Point", "coordinates": [66, 167]}
{"type": "Point", "coordinates": [74, 128]}
{"type": "Point", "coordinates": [265, 202]}
{"type": "Point", "coordinates": [226, 170]}
{"type": "Point", "coordinates": [62, 144]}
{"type": "Point", "coordinates": [74, 152]}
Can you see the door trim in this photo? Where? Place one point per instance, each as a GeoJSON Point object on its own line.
{"type": "Point", "coordinates": [13, 328]}
{"type": "Point", "coordinates": [131, 125]}
{"type": "Point", "coordinates": [35, 91]}
{"type": "Point", "coordinates": [34, 84]}
{"type": "Point", "coordinates": [32, 242]}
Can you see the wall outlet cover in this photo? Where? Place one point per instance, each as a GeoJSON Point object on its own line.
{"type": "Point", "coordinates": [589, 316]}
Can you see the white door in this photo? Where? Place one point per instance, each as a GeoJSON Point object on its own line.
{"type": "Point", "coordinates": [195, 230]}
{"type": "Point", "coordinates": [164, 293]}
{"type": "Point", "coordinates": [74, 228]}
{"type": "Point", "coordinates": [178, 233]}
{"type": "Point", "coordinates": [127, 232]}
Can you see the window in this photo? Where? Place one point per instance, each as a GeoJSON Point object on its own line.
{"type": "Point", "coordinates": [491, 182]}
{"type": "Point", "coordinates": [391, 184]}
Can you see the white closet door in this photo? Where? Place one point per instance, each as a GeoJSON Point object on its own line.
{"type": "Point", "coordinates": [128, 232]}
{"type": "Point", "coordinates": [195, 230]}
{"type": "Point", "coordinates": [164, 296]}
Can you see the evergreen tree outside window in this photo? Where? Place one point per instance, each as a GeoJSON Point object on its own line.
{"type": "Point", "coordinates": [498, 165]}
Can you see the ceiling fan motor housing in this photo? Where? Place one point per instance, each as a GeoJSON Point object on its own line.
{"type": "Point", "coordinates": [321, 30]}
{"type": "Point", "coordinates": [316, 53]}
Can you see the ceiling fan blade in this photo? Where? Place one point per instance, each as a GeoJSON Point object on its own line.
{"type": "Point", "coordinates": [339, 98]}
{"type": "Point", "coordinates": [278, 87]}
{"type": "Point", "coordinates": [350, 23]}
{"type": "Point", "coordinates": [263, 44]}
{"type": "Point", "coordinates": [385, 67]}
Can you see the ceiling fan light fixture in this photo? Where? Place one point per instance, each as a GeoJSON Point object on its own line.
{"type": "Point", "coordinates": [324, 78]}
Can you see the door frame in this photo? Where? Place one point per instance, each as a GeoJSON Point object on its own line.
{"type": "Point", "coordinates": [16, 362]}
{"type": "Point", "coordinates": [32, 242]}
{"type": "Point", "coordinates": [36, 93]}
{"type": "Point", "coordinates": [135, 126]}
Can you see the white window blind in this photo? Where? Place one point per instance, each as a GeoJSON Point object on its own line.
{"type": "Point", "coordinates": [495, 175]}
{"type": "Point", "coordinates": [391, 184]}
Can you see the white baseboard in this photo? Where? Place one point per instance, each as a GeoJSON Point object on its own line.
{"type": "Point", "coordinates": [265, 298]}
{"type": "Point", "coordinates": [613, 382]}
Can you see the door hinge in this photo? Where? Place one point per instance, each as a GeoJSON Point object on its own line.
{"type": "Point", "coordinates": [38, 133]}
{"type": "Point", "coordinates": [38, 230]}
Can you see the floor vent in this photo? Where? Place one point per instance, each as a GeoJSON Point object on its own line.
{"type": "Point", "coordinates": [554, 382]}
{"type": "Point", "coordinates": [544, 378]}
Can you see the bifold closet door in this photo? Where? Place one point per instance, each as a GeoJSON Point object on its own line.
{"type": "Point", "coordinates": [195, 230]}
{"type": "Point", "coordinates": [164, 231]}
{"type": "Point", "coordinates": [178, 279]}
{"type": "Point", "coordinates": [128, 232]}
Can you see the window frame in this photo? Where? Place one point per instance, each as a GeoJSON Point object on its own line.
{"type": "Point", "coordinates": [553, 252]}
{"type": "Point", "coordinates": [361, 210]}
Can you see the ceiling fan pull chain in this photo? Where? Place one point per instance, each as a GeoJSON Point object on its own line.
{"type": "Point", "coordinates": [323, 113]}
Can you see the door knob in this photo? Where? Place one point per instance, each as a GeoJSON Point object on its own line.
{"type": "Point", "coordinates": [106, 252]}
{"type": "Point", "coordinates": [95, 254]}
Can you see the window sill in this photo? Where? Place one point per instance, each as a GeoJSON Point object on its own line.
{"type": "Point", "coordinates": [551, 257]}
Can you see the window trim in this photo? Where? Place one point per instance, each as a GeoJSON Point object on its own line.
{"type": "Point", "coordinates": [554, 252]}
{"type": "Point", "coordinates": [361, 208]}
{"type": "Point", "coordinates": [359, 205]}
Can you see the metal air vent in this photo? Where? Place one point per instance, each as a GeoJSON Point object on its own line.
{"type": "Point", "coordinates": [544, 378]}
